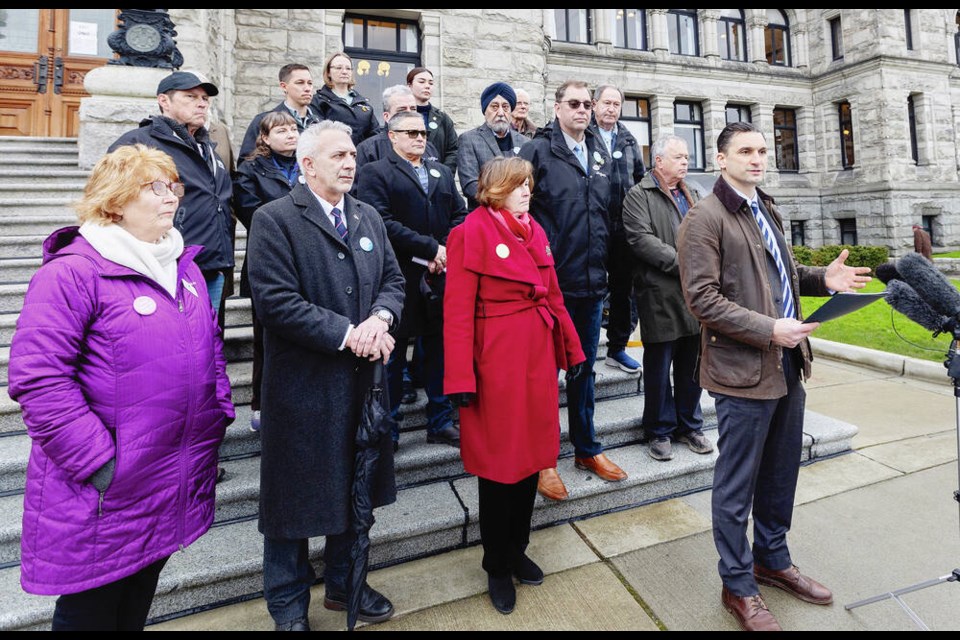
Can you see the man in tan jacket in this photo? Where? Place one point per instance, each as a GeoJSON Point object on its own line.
{"type": "Point", "coordinates": [741, 282]}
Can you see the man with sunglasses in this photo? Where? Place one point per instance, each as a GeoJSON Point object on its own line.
{"type": "Point", "coordinates": [204, 215]}
{"type": "Point", "coordinates": [494, 138]}
{"type": "Point", "coordinates": [419, 203]}
{"type": "Point", "coordinates": [570, 199]}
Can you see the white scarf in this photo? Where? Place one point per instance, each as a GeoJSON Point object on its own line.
{"type": "Point", "coordinates": [155, 260]}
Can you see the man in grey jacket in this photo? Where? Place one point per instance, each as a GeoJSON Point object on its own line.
{"type": "Point", "coordinates": [493, 138]}
{"type": "Point", "coordinates": [652, 212]}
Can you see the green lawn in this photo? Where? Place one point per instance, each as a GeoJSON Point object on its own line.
{"type": "Point", "coordinates": [876, 326]}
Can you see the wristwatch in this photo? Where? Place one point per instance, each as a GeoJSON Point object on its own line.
{"type": "Point", "coordinates": [384, 315]}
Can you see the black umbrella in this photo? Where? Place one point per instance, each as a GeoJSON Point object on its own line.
{"type": "Point", "coordinates": [374, 425]}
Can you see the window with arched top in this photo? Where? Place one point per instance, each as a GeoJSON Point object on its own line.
{"type": "Point", "coordinates": [732, 35]}
{"type": "Point", "coordinates": [776, 37]}
{"type": "Point", "coordinates": [682, 31]}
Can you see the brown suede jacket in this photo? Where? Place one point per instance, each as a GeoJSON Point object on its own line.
{"type": "Point", "coordinates": [726, 283]}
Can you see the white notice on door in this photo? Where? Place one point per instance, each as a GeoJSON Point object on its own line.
{"type": "Point", "coordinates": [83, 38]}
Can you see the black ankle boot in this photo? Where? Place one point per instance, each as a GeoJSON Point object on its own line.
{"type": "Point", "coordinates": [527, 571]}
{"type": "Point", "coordinates": [503, 594]}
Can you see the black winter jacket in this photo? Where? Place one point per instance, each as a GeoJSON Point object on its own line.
{"type": "Point", "coordinates": [204, 214]}
{"type": "Point", "coordinates": [258, 182]}
{"type": "Point", "coordinates": [358, 115]}
{"type": "Point", "coordinates": [572, 208]}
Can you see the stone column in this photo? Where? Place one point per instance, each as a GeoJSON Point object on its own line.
{"type": "Point", "coordinates": [602, 26]}
{"type": "Point", "coordinates": [756, 24]}
{"type": "Point", "coordinates": [659, 38]}
{"type": "Point", "coordinates": [709, 47]}
{"type": "Point", "coordinates": [120, 97]}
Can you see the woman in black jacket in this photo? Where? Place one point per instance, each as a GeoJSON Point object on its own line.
{"type": "Point", "coordinates": [337, 100]}
{"type": "Point", "coordinates": [269, 174]}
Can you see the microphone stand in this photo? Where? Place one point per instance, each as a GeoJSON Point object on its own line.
{"type": "Point", "coordinates": [952, 363]}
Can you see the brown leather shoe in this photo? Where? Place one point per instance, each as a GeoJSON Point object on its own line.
{"type": "Point", "coordinates": [750, 612]}
{"type": "Point", "coordinates": [794, 583]}
{"type": "Point", "coordinates": [602, 466]}
{"type": "Point", "coordinates": [550, 485]}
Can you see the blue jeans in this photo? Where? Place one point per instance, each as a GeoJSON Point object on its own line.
{"type": "Point", "coordinates": [288, 574]}
{"type": "Point", "coordinates": [215, 281]}
{"type": "Point", "coordinates": [586, 313]}
{"type": "Point", "coordinates": [760, 446]}
{"type": "Point", "coordinates": [439, 407]}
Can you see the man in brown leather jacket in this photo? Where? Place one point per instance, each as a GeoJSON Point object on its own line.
{"type": "Point", "coordinates": [754, 349]}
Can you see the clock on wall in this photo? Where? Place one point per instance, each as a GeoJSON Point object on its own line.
{"type": "Point", "coordinates": [143, 38]}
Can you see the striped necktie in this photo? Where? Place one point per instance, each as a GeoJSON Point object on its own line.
{"type": "Point", "coordinates": [339, 223]}
{"type": "Point", "coordinates": [773, 247]}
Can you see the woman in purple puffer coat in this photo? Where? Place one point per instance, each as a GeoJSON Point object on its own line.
{"type": "Point", "coordinates": [118, 367]}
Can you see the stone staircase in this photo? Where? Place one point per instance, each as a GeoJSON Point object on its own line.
{"type": "Point", "coordinates": [436, 509]}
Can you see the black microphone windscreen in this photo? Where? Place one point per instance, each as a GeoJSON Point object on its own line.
{"type": "Point", "coordinates": [902, 297]}
{"type": "Point", "coordinates": [887, 272]}
{"type": "Point", "coordinates": [932, 286]}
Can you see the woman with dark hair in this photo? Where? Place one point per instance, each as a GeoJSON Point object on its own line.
{"type": "Point", "coordinates": [270, 172]}
{"type": "Point", "coordinates": [118, 366]}
{"type": "Point", "coordinates": [506, 332]}
{"type": "Point", "coordinates": [338, 100]}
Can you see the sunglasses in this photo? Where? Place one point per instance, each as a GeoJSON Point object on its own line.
{"type": "Point", "coordinates": [576, 104]}
{"type": "Point", "coordinates": [161, 188]}
{"type": "Point", "coordinates": [413, 133]}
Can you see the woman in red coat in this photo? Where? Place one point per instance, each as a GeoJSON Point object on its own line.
{"type": "Point", "coordinates": [506, 332]}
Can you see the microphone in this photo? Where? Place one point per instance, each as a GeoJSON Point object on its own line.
{"type": "Point", "coordinates": [902, 297]}
{"type": "Point", "coordinates": [887, 272]}
{"type": "Point", "coordinates": [931, 285]}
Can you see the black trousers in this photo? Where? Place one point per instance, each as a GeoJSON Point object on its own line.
{"type": "Point", "coordinates": [505, 513]}
{"type": "Point", "coordinates": [623, 309]}
{"type": "Point", "coordinates": [119, 606]}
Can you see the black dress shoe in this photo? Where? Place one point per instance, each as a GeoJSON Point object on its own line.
{"type": "Point", "coordinates": [527, 571]}
{"type": "Point", "coordinates": [448, 435]}
{"type": "Point", "coordinates": [374, 606]}
{"type": "Point", "coordinates": [300, 624]}
{"type": "Point", "coordinates": [503, 594]}
{"type": "Point", "coordinates": [409, 395]}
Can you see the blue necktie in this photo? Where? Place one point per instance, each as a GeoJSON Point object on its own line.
{"type": "Point", "coordinates": [339, 223]}
{"type": "Point", "coordinates": [768, 237]}
{"type": "Point", "coordinates": [578, 151]}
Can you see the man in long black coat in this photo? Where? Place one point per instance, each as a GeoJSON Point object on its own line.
{"type": "Point", "coordinates": [327, 289]}
{"type": "Point", "coordinates": [419, 203]}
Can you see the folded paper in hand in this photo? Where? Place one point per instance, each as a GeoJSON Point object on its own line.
{"type": "Point", "coordinates": [843, 303]}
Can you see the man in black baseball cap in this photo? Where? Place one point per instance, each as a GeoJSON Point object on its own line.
{"type": "Point", "coordinates": [184, 80]}
{"type": "Point", "coordinates": [203, 217]}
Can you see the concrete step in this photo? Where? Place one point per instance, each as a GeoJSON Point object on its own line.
{"type": "Point", "coordinates": [226, 564]}
{"type": "Point", "coordinates": [39, 188]}
{"type": "Point", "coordinates": [36, 217]}
{"type": "Point", "coordinates": [42, 177]}
{"type": "Point", "coordinates": [22, 246]}
{"type": "Point", "coordinates": [59, 158]}
{"type": "Point", "coordinates": [18, 270]}
{"type": "Point", "coordinates": [8, 322]}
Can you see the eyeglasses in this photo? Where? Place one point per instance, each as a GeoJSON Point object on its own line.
{"type": "Point", "coordinates": [161, 188]}
{"type": "Point", "coordinates": [413, 133]}
{"type": "Point", "coordinates": [340, 68]}
{"type": "Point", "coordinates": [576, 104]}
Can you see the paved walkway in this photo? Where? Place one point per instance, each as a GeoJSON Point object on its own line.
{"type": "Point", "coordinates": [874, 520]}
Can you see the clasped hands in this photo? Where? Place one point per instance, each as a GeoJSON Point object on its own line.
{"type": "Point", "coordinates": [371, 339]}
{"type": "Point", "coordinates": [439, 263]}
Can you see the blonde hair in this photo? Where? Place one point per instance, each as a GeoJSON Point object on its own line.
{"type": "Point", "coordinates": [116, 180]}
{"type": "Point", "coordinates": [327, 80]}
{"type": "Point", "coordinates": [499, 177]}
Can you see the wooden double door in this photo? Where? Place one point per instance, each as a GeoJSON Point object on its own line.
{"type": "Point", "coordinates": [44, 56]}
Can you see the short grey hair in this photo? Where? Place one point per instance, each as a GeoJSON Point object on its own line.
{"type": "Point", "coordinates": [599, 91]}
{"type": "Point", "coordinates": [396, 90]}
{"type": "Point", "coordinates": [396, 122]}
{"type": "Point", "coordinates": [660, 145]}
{"type": "Point", "coordinates": [309, 144]}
